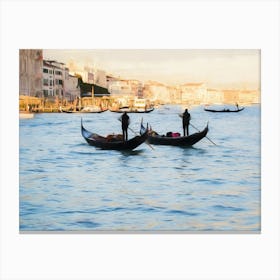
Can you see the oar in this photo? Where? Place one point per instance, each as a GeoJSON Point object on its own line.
{"type": "Point", "coordinates": [138, 135]}
{"type": "Point", "coordinates": [181, 115]}
{"type": "Point", "coordinates": [205, 136]}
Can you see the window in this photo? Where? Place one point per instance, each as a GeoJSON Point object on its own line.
{"type": "Point", "coordinates": [45, 82]}
{"type": "Point", "coordinates": [50, 71]}
{"type": "Point", "coordinates": [51, 82]}
{"type": "Point", "coordinates": [45, 92]}
{"type": "Point", "coordinates": [58, 73]}
{"type": "Point", "coordinates": [60, 82]}
{"type": "Point", "coordinates": [45, 70]}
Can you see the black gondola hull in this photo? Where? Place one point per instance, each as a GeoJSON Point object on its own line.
{"type": "Point", "coordinates": [101, 142]}
{"type": "Point", "coordinates": [184, 141]}
{"type": "Point", "coordinates": [139, 111]}
{"type": "Point", "coordinates": [224, 110]}
{"type": "Point", "coordinates": [84, 112]}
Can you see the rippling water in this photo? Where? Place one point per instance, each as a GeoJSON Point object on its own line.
{"type": "Point", "coordinates": [67, 185]}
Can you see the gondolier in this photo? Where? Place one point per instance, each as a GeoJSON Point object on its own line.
{"type": "Point", "coordinates": [125, 124]}
{"type": "Point", "coordinates": [186, 121]}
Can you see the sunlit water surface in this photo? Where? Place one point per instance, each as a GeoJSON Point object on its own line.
{"type": "Point", "coordinates": [67, 185]}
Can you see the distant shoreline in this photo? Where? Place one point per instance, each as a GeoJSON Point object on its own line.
{"type": "Point", "coordinates": [189, 106]}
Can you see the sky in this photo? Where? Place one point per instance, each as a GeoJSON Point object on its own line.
{"type": "Point", "coordinates": [225, 68]}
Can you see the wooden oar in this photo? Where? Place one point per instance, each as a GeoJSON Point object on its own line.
{"type": "Point", "coordinates": [205, 136]}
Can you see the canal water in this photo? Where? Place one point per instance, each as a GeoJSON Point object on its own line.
{"type": "Point", "coordinates": [67, 185]}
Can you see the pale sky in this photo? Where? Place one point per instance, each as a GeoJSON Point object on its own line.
{"type": "Point", "coordinates": [217, 68]}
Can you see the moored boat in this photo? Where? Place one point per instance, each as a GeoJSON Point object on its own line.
{"type": "Point", "coordinates": [86, 110]}
{"type": "Point", "coordinates": [132, 110]}
{"type": "Point", "coordinates": [174, 139]}
{"type": "Point", "coordinates": [137, 105]}
{"type": "Point", "coordinates": [113, 142]}
{"type": "Point", "coordinates": [26, 115]}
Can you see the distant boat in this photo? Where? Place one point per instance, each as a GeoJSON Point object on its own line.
{"type": "Point", "coordinates": [140, 105]}
{"type": "Point", "coordinates": [93, 109]}
{"type": "Point", "coordinates": [132, 110]}
{"type": "Point", "coordinates": [224, 110]}
{"type": "Point", "coordinates": [26, 115]}
{"type": "Point", "coordinates": [87, 109]}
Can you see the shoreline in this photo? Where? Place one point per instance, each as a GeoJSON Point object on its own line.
{"type": "Point", "coordinates": [189, 106]}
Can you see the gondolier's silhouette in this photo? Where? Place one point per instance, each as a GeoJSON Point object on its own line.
{"type": "Point", "coordinates": [125, 123]}
{"type": "Point", "coordinates": [186, 121]}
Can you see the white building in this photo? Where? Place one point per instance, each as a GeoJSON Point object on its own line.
{"type": "Point", "coordinates": [30, 72]}
{"type": "Point", "coordinates": [54, 76]}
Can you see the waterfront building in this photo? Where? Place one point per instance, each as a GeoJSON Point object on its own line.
{"type": "Point", "coordinates": [175, 94]}
{"type": "Point", "coordinates": [231, 96]}
{"type": "Point", "coordinates": [90, 75]}
{"type": "Point", "coordinates": [193, 93]}
{"type": "Point", "coordinates": [249, 96]}
{"type": "Point", "coordinates": [214, 96]}
{"type": "Point", "coordinates": [54, 74]}
{"type": "Point", "coordinates": [58, 83]}
{"type": "Point", "coordinates": [158, 93]}
{"type": "Point", "coordinates": [121, 87]}
{"type": "Point", "coordinates": [99, 78]}
{"type": "Point", "coordinates": [72, 91]}
{"type": "Point", "coordinates": [30, 72]}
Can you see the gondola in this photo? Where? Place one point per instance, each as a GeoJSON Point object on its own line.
{"type": "Point", "coordinates": [129, 110]}
{"type": "Point", "coordinates": [107, 143]}
{"type": "Point", "coordinates": [156, 139]}
{"type": "Point", "coordinates": [84, 112]}
{"type": "Point", "coordinates": [224, 110]}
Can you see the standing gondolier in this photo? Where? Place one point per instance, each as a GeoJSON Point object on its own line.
{"type": "Point", "coordinates": [125, 124]}
{"type": "Point", "coordinates": [186, 117]}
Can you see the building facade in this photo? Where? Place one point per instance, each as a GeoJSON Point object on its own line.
{"type": "Point", "coordinates": [249, 96]}
{"type": "Point", "coordinates": [193, 93]}
{"type": "Point", "coordinates": [53, 79]}
{"type": "Point", "coordinates": [30, 72]}
{"type": "Point", "coordinates": [214, 96]}
{"type": "Point", "coordinates": [157, 92]}
{"type": "Point", "coordinates": [71, 88]}
{"type": "Point", "coordinates": [231, 96]}
{"type": "Point", "coordinates": [121, 87]}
